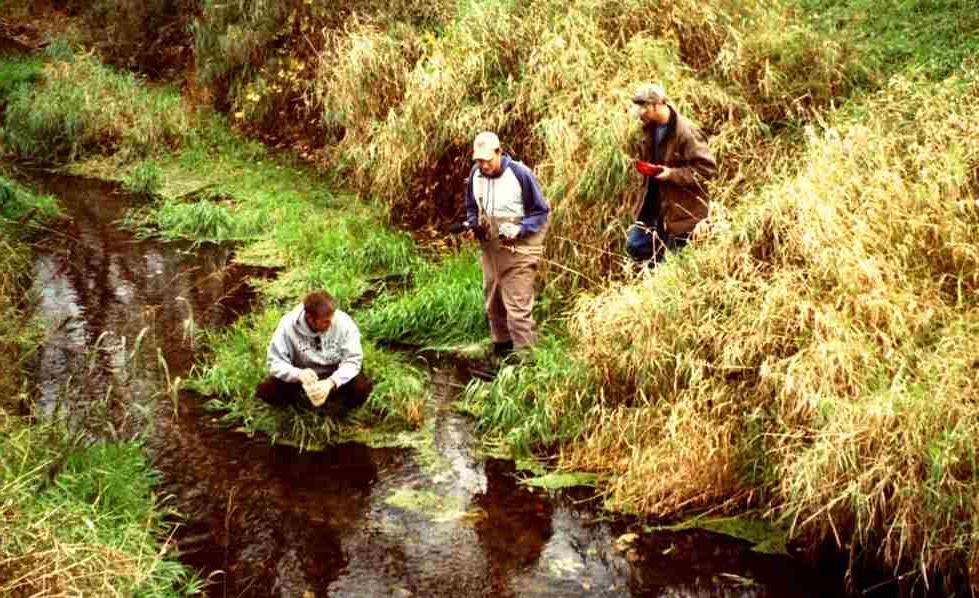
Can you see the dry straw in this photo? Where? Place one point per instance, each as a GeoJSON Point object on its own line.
{"type": "Point", "coordinates": [818, 358]}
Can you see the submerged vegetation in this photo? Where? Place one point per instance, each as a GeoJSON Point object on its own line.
{"type": "Point", "coordinates": [811, 357]}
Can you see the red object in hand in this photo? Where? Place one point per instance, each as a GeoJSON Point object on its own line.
{"type": "Point", "coordinates": [647, 168]}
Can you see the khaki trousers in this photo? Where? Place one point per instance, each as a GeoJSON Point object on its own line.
{"type": "Point", "coordinates": [508, 286]}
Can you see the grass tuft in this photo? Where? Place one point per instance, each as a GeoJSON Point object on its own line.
{"type": "Point", "coordinates": [80, 520]}
{"type": "Point", "coordinates": [445, 306]}
{"type": "Point", "coordinates": [79, 108]}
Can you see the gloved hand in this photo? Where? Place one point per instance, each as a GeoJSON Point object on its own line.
{"type": "Point", "coordinates": [319, 391]}
{"type": "Point", "coordinates": [509, 232]}
{"type": "Point", "coordinates": [308, 376]}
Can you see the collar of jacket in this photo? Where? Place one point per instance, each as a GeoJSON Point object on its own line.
{"type": "Point", "coordinates": [670, 124]}
{"type": "Point", "coordinates": [504, 164]}
{"type": "Point", "coordinates": [301, 325]}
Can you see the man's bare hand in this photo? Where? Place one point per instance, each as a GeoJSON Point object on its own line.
{"type": "Point", "coordinates": [319, 391]}
{"type": "Point", "coordinates": [469, 235]}
{"type": "Point", "coordinates": [307, 376]}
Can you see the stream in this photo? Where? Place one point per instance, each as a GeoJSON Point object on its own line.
{"type": "Point", "coordinates": [263, 520]}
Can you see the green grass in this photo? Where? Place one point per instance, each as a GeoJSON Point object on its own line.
{"type": "Point", "coordinates": [143, 178]}
{"type": "Point", "coordinates": [529, 407]}
{"type": "Point", "coordinates": [19, 207]}
{"type": "Point", "coordinates": [237, 365]}
{"type": "Point", "coordinates": [76, 107]}
{"type": "Point", "coordinates": [16, 72]}
{"type": "Point", "coordinates": [444, 306]}
{"type": "Point", "coordinates": [934, 37]}
{"type": "Point", "coordinates": [81, 519]}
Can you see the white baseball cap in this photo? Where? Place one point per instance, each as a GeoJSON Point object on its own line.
{"type": "Point", "coordinates": [485, 146]}
{"type": "Point", "coordinates": [649, 93]}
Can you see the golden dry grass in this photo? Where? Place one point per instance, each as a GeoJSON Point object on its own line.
{"type": "Point", "coordinates": [819, 357]}
{"type": "Point", "coordinates": [395, 100]}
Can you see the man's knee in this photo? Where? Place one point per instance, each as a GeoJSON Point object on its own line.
{"type": "Point", "coordinates": [640, 244]}
{"type": "Point", "coordinates": [276, 392]}
{"type": "Point", "coordinates": [357, 391]}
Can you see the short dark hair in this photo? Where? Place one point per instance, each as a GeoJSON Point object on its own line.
{"type": "Point", "coordinates": [319, 304]}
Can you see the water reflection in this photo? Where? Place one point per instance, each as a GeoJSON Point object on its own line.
{"type": "Point", "coordinates": [100, 291]}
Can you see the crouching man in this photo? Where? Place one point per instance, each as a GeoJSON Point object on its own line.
{"type": "Point", "coordinates": [315, 356]}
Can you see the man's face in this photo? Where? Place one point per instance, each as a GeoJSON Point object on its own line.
{"type": "Point", "coordinates": [321, 324]}
{"type": "Point", "coordinates": [654, 113]}
{"type": "Point", "coordinates": [492, 166]}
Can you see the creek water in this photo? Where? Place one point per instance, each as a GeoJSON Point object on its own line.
{"type": "Point", "coordinates": [263, 520]}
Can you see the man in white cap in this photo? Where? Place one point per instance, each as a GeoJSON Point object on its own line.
{"type": "Point", "coordinates": [506, 210]}
{"type": "Point", "coordinates": [678, 163]}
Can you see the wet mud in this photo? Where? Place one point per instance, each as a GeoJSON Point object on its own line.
{"type": "Point", "coordinates": [262, 520]}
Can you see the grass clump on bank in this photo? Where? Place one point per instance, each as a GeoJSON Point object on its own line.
{"type": "Point", "coordinates": [19, 207]}
{"type": "Point", "coordinates": [238, 364]}
{"type": "Point", "coordinates": [80, 520]}
{"type": "Point", "coordinates": [443, 305]}
{"type": "Point", "coordinates": [529, 408]}
{"type": "Point", "coordinates": [77, 107]}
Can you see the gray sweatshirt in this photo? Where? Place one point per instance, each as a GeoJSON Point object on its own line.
{"type": "Point", "coordinates": [294, 347]}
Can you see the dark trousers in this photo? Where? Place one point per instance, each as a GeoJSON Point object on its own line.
{"type": "Point", "coordinates": [643, 243]}
{"type": "Point", "coordinates": [281, 394]}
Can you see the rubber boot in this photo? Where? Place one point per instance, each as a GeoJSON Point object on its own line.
{"type": "Point", "coordinates": [502, 349]}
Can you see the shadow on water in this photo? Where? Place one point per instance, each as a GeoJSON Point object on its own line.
{"type": "Point", "coordinates": [260, 520]}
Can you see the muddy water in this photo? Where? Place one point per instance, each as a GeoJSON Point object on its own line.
{"type": "Point", "coordinates": [261, 520]}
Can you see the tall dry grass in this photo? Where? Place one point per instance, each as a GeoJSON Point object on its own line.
{"type": "Point", "coordinates": [397, 95]}
{"type": "Point", "coordinates": [256, 58]}
{"type": "Point", "coordinates": [554, 80]}
{"type": "Point", "coordinates": [818, 359]}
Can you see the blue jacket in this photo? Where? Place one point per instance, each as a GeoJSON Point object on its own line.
{"type": "Point", "coordinates": [514, 178]}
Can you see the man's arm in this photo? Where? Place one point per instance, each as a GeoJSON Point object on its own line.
{"type": "Point", "coordinates": [472, 208]}
{"type": "Point", "coordinates": [535, 208]}
{"type": "Point", "coordinates": [279, 355]}
{"type": "Point", "coordinates": [698, 163]}
{"type": "Point", "coordinates": [351, 356]}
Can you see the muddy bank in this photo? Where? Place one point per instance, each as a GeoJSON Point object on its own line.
{"type": "Point", "coordinates": [261, 520]}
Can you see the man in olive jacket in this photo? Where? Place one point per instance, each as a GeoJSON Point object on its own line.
{"type": "Point", "coordinates": [675, 198]}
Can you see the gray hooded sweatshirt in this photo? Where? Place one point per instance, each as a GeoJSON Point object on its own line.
{"type": "Point", "coordinates": [294, 347]}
